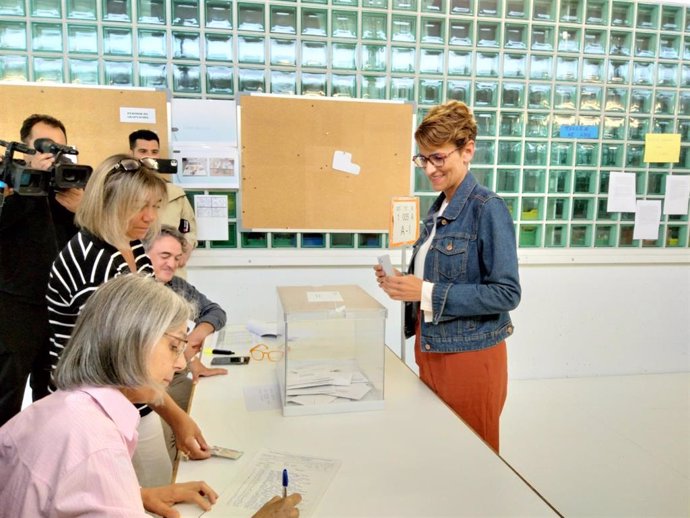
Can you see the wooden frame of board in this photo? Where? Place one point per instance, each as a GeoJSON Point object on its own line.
{"type": "Point", "coordinates": [91, 115]}
{"type": "Point", "coordinates": [287, 148]}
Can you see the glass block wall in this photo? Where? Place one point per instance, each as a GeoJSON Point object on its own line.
{"type": "Point", "coordinates": [528, 68]}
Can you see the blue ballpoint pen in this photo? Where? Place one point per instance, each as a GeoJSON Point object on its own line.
{"type": "Point", "coordinates": [285, 483]}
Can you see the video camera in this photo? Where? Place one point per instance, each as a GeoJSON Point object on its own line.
{"type": "Point", "coordinates": [165, 165]}
{"type": "Point", "coordinates": [35, 182]}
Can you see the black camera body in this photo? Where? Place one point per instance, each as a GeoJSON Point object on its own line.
{"type": "Point", "coordinates": [166, 165]}
{"type": "Point", "coordinates": [34, 182]}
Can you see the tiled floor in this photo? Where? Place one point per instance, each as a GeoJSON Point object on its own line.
{"type": "Point", "coordinates": [603, 447]}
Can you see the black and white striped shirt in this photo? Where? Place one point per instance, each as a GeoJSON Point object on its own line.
{"type": "Point", "coordinates": [82, 266]}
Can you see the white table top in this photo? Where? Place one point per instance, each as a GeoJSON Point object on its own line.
{"type": "Point", "coordinates": [415, 458]}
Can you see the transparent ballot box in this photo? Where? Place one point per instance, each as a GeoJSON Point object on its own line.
{"type": "Point", "coordinates": [333, 357]}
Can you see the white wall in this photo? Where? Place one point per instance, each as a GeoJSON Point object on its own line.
{"type": "Point", "coordinates": [581, 315]}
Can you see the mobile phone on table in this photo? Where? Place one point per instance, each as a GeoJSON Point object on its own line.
{"type": "Point", "coordinates": [230, 360]}
{"type": "Point", "coordinates": [226, 453]}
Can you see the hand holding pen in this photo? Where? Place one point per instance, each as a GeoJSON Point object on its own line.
{"type": "Point", "coordinates": [278, 507]}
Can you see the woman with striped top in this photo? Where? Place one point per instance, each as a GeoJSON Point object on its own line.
{"type": "Point", "coordinates": [119, 209]}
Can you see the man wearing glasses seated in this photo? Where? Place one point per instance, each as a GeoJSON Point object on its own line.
{"type": "Point", "coordinates": [165, 251]}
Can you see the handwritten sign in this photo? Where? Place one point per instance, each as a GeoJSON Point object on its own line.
{"type": "Point", "coordinates": [404, 221]}
{"type": "Point", "coordinates": [573, 131]}
{"type": "Point", "coordinates": [662, 147]}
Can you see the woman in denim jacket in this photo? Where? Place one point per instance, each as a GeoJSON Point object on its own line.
{"type": "Point", "coordinates": [464, 277]}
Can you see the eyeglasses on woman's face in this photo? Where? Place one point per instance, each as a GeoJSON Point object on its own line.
{"type": "Point", "coordinates": [436, 159]}
{"type": "Point", "coordinates": [179, 346]}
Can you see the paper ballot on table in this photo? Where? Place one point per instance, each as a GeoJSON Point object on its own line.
{"type": "Point", "coordinates": [259, 481]}
{"type": "Point", "coordinates": [262, 397]}
{"type": "Point", "coordinates": [260, 328]}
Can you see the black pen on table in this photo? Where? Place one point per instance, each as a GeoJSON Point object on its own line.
{"type": "Point", "coordinates": [285, 483]}
{"type": "Point", "coordinates": [222, 351]}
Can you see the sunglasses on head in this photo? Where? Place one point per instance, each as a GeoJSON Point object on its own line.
{"type": "Point", "coordinates": [132, 165]}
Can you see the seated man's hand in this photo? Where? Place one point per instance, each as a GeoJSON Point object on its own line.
{"type": "Point", "coordinates": [159, 500]}
{"type": "Point", "coordinates": [278, 507]}
{"type": "Point", "coordinates": [199, 370]}
{"type": "Point", "coordinates": [195, 339]}
{"type": "Point", "coordinates": [189, 438]}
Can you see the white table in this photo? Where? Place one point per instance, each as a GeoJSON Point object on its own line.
{"type": "Point", "coordinates": [415, 458]}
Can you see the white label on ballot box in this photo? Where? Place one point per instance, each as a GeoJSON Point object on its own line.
{"type": "Point", "coordinates": [324, 296]}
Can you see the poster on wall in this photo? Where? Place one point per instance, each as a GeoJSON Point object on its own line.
{"type": "Point", "coordinates": [206, 165]}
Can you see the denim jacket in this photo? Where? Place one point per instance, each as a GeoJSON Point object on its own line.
{"type": "Point", "coordinates": [472, 262]}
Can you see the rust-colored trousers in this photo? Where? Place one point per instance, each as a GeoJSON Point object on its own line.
{"type": "Point", "coordinates": [474, 384]}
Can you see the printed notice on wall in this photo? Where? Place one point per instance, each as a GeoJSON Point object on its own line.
{"type": "Point", "coordinates": [138, 115]}
{"type": "Point", "coordinates": [211, 217]}
{"type": "Point", "coordinates": [404, 221]}
{"type": "Point", "coordinates": [621, 192]}
{"type": "Point", "coordinates": [677, 194]}
{"type": "Point", "coordinates": [205, 165]}
{"type": "Point", "coordinates": [647, 219]}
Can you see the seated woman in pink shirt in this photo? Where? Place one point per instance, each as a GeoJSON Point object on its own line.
{"type": "Point", "coordinates": [69, 454]}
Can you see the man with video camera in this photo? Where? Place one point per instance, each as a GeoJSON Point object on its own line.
{"type": "Point", "coordinates": [32, 231]}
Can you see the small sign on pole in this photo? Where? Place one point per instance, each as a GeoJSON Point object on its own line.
{"type": "Point", "coordinates": [404, 221]}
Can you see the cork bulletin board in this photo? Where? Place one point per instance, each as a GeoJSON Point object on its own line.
{"type": "Point", "coordinates": [91, 115]}
{"type": "Point", "coordinates": [311, 163]}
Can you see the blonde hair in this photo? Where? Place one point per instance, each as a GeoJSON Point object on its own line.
{"type": "Point", "coordinates": [116, 331]}
{"type": "Point", "coordinates": [112, 197]}
{"type": "Point", "coordinates": [449, 122]}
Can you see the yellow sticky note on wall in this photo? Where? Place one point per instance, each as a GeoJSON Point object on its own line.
{"type": "Point", "coordinates": [662, 147]}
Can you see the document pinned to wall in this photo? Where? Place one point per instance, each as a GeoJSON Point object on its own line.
{"type": "Point", "coordinates": [260, 481]}
{"type": "Point", "coordinates": [211, 217]}
{"type": "Point", "coordinates": [206, 165]}
{"type": "Point", "coordinates": [262, 397]}
{"type": "Point", "coordinates": [647, 219]}
{"type": "Point", "coordinates": [404, 221]}
{"type": "Point", "coordinates": [621, 192]}
{"type": "Point", "coordinates": [662, 147]}
{"type": "Point", "coordinates": [677, 194]}
{"type": "Point", "coordinates": [342, 161]}
{"type": "Point", "coordinates": [137, 115]}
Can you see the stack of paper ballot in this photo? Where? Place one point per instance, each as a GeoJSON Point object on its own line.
{"type": "Point", "coordinates": [322, 383]}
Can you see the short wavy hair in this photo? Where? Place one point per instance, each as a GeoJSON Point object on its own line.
{"type": "Point", "coordinates": [116, 332]}
{"type": "Point", "coordinates": [446, 123]}
{"type": "Point", "coordinates": [112, 198]}
{"type": "Point", "coordinates": [167, 231]}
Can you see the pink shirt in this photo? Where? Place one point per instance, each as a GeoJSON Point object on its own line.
{"type": "Point", "coordinates": [69, 454]}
